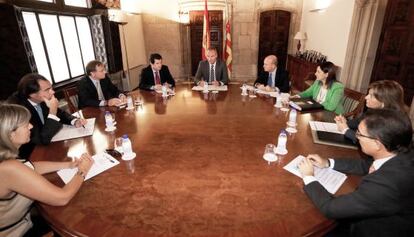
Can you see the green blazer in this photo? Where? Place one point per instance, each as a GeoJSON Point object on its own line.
{"type": "Point", "coordinates": [334, 97]}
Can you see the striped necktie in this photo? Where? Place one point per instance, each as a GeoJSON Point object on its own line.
{"type": "Point", "coordinates": [212, 74]}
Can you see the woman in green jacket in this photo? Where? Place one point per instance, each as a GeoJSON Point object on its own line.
{"type": "Point", "coordinates": [326, 90]}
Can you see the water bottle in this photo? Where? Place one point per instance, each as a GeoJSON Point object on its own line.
{"type": "Point", "coordinates": [130, 103]}
{"type": "Point", "coordinates": [164, 91]}
{"type": "Point", "coordinates": [126, 145]}
{"type": "Point", "coordinates": [108, 119]}
{"type": "Point", "coordinates": [292, 117]}
{"type": "Point", "coordinates": [281, 143]}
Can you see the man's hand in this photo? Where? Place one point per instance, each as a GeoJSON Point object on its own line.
{"type": "Point", "coordinates": [114, 102]}
{"type": "Point", "coordinates": [318, 160]}
{"type": "Point", "coordinates": [261, 87]}
{"type": "Point", "coordinates": [215, 83]}
{"type": "Point", "coordinates": [123, 98]}
{"type": "Point", "coordinates": [53, 104]}
{"type": "Point", "coordinates": [306, 167]}
{"type": "Point", "coordinates": [201, 83]}
{"type": "Point", "coordinates": [158, 87]}
{"type": "Point", "coordinates": [80, 122]}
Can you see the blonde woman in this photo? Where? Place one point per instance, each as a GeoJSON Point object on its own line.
{"type": "Point", "coordinates": [23, 183]}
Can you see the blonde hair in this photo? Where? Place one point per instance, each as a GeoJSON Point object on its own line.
{"type": "Point", "coordinates": [11, 118]}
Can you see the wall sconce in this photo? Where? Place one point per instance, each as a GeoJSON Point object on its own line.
{"type": "Point", "coordinates": [184, 17]}
{"type": "Point", "coordinates": [300, 36]}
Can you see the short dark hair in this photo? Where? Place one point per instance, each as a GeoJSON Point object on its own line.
{"type": "Point", "coordinates": [91, 66]}
{"type": "Point", "coordinates": [330, 68]}
{"type": "Point", "coordinates": [392, 128]}
{"type": "Point", "coordinates": [155, 56]}
{"type": "Point", "coordinates": [29, 84]}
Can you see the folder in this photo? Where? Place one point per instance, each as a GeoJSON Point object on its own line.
{"type": "Point", "coordinates": [305, 104]}
{"type": "Point", "coordinates": [332, 139]}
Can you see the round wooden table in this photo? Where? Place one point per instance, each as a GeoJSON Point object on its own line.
{"type": "Point", "coordinates": [199, 171]}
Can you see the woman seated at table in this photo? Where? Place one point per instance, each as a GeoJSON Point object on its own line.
{"type": "Point", "coordinates": [326, 90]}
{"type": "Point", "coordinates": [384, 94]}
{"type": "Point", "coordinates": [22, 182]}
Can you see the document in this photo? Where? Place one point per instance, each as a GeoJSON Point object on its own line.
{"type": "Point", "coordinates": [69, 131]}
{"type": "Point", "coordinates": [330, 179]}
{"type": "Point", "coordinates": [324, 127]}
{"type": "Point", "coordinates": [103, 161]}
{"type": "Point", "coordinates": [210, 88]}
{"type": "Point", "coordinates": [305, 104]}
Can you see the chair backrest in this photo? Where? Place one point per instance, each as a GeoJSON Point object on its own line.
{"type": "Point", "coordinates": [354, 102]}
{"type": "Point", "coordinates": [71, 96]}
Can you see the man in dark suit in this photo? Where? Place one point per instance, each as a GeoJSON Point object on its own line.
{"type": "Point", "coordinates": [35, 93]}
{"type": "Point", "coordinates": [272, 76]}
{"type": "Point", "coordinates": [212, 71]}
{"type": "Point", "coordinates": [382, 204]}
{"type": "Point", "coordinates": [96, 89]}
{"type": "Point", "coordinates": [156, 75]}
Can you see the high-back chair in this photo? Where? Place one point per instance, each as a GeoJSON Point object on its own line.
{"type": "Point", "coordinates": [354, 102]}
{"type": "Point", "coordinates": [71, 96]}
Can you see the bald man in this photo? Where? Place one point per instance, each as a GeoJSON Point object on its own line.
{"type": "Point", "coordinates": [272, 76]}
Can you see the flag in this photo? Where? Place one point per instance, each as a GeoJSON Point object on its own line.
{"type": "Point", "coordinates": [228, 55]}
{"type": "Point", "coordinates": [206, 32]}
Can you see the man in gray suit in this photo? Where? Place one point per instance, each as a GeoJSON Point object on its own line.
{"type": "Point", "coordinates": [212, 71]}
{"type": "Point", "coordinates": [382, 204]}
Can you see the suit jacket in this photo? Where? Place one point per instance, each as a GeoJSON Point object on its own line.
{"type": "Point", "coordinates": [88, 96]}
{"type": "Point", "coordinates": [384, 196]}
{"type": "Point", "coordinates": [40, 133]}
{"type": "Point", "coordinates": [203, 71]}
{"type": "Point", "coordinates": [281, 79]}
{"type": "Point", "coordinates": [147, 77]}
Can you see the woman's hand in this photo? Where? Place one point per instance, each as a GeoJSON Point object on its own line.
{"type": "Point", "coordinates": [341, 123]}
{"type": "Point", "coordinates": [85, 163]}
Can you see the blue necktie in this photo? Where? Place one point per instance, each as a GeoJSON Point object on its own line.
{"type": "Point", "coordinates": [40, 112]}
{"type": "Point", "coordinates": [269, 80]}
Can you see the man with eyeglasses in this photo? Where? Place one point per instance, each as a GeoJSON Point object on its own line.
{"type": "Point", "coordinates": [383, 203]}
{"type": "Point", "coordinates": [35, 93]}
{"type": "Point", "coordinates": [96, 89]}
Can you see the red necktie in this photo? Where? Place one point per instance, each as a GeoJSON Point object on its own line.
{"type": "Point", "coordinates": [157, 78]}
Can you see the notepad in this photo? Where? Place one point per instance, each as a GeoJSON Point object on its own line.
{"type": "Point", "coordinates": [210, 88]}
{"type": "Point", "coordinates": [102, 162]}
{"type": "Point", "coordinates": [328, 134]}
{"type": "Point", "coordinates": [305, 104]}
{"type": "Point", "coordinates": [70, 132]}
{"type": "Point", "coordinates": [329, 178]}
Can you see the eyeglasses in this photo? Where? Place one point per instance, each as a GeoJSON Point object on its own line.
{"type": "Point", "coordinates": [358, 134]}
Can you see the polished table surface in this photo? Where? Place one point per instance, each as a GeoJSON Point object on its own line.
{"type": "Point", "coordinates": [199, 171]}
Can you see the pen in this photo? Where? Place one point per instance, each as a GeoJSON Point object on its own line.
{"type": "Point", "coordinates": [80, 116]}
{"type": "Point", "coordinates": [109, 159]}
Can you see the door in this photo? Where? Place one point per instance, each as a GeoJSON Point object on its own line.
{"type": "Point", "coordinates": [273, 36]}
{"type": "Point", "coordinates": [196, 32]}
{"type": "Point", "coordinates": [395, 53]}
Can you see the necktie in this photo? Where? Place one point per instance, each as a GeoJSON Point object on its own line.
{"type": "Point", "coordinates": [269, 80]}
{"type": "Point", "coordinates": [212, 74]}
{"type": "Point", "coordinates": [40, 112]}
{"type": "Point", "coordinates": [99, 90]}
{"type": "Point", "coordinates": [371, 169]}
{"type": "Point", "coordinates": [157, 78]}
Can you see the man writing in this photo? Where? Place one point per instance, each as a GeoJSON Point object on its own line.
{"type": "Point", "coordinates": [156, 75]}
{"type": "Point", "coordinates": [212, 71]}
{"type": "Point", "coordinates": [35, 93]}
{"type": "Point", "coordinates": [382, 204]}
{"type": "Point", "coordinates": [272, 77]}
{"type": "Point", "coordinates": [96, 89]}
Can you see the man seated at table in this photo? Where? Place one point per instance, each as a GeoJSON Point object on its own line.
{"type": "Point", "coordinates": [382, 204]}
{"type": "Point", "coordinates": [156, 75]}
{"type": "Point", "coordinates": [96, 89]}
{"type": "Point", "coordinates": [35, 93]}
{"type": "Point", "coordinates": [272, 76]}
{"type": "Point", "coordinates": [212, 71]}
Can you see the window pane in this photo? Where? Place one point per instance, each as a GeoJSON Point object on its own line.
{"type": "Point", "coordinates": [85, 38]}
{"type": "Point", "coordinates": [72, 45]}
{"type": "Point", "coordinates": [36, 43]}
{"type": "Point", "coordinates": [76, 3]}
{"type": "Point", "coordinates": [54, 45]}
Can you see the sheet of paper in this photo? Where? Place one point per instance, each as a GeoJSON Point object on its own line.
{"type": "Point", "coordinates": [330, 179]}
{"type": "Point", "coordinates": [325, 127]}
{"type": "Point", "coordinates": [210, 88]}
{"type": "Point", "coordinates": [69, 131]}
{"type": "Point", "coordinates": [103, 161]}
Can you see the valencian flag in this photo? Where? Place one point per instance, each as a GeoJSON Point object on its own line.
{"type": "Point", "coordinates": [227, 56]}
{"type": "Point", "coordinates": [206, 32]}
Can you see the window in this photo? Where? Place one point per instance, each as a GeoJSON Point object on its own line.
{"type": "Point", "coordinates": [76, 3]}
{"type": "Point", "coordinates": [62, 44]}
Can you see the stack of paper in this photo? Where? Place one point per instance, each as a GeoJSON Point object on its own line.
{"type": "Point", "coordinates": [69, 131]}
{"type": "Point", "coordinates": [330, 179]}
{"type": "Point", "coordinates": [210, 88]}
{"type": "Point", "coordinates": [324, 127]}
{"type": "Point", "coordinates": [102, 162]}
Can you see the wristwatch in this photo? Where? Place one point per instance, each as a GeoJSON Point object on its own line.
{"type": "Point", "coordinates": [81, 173]}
